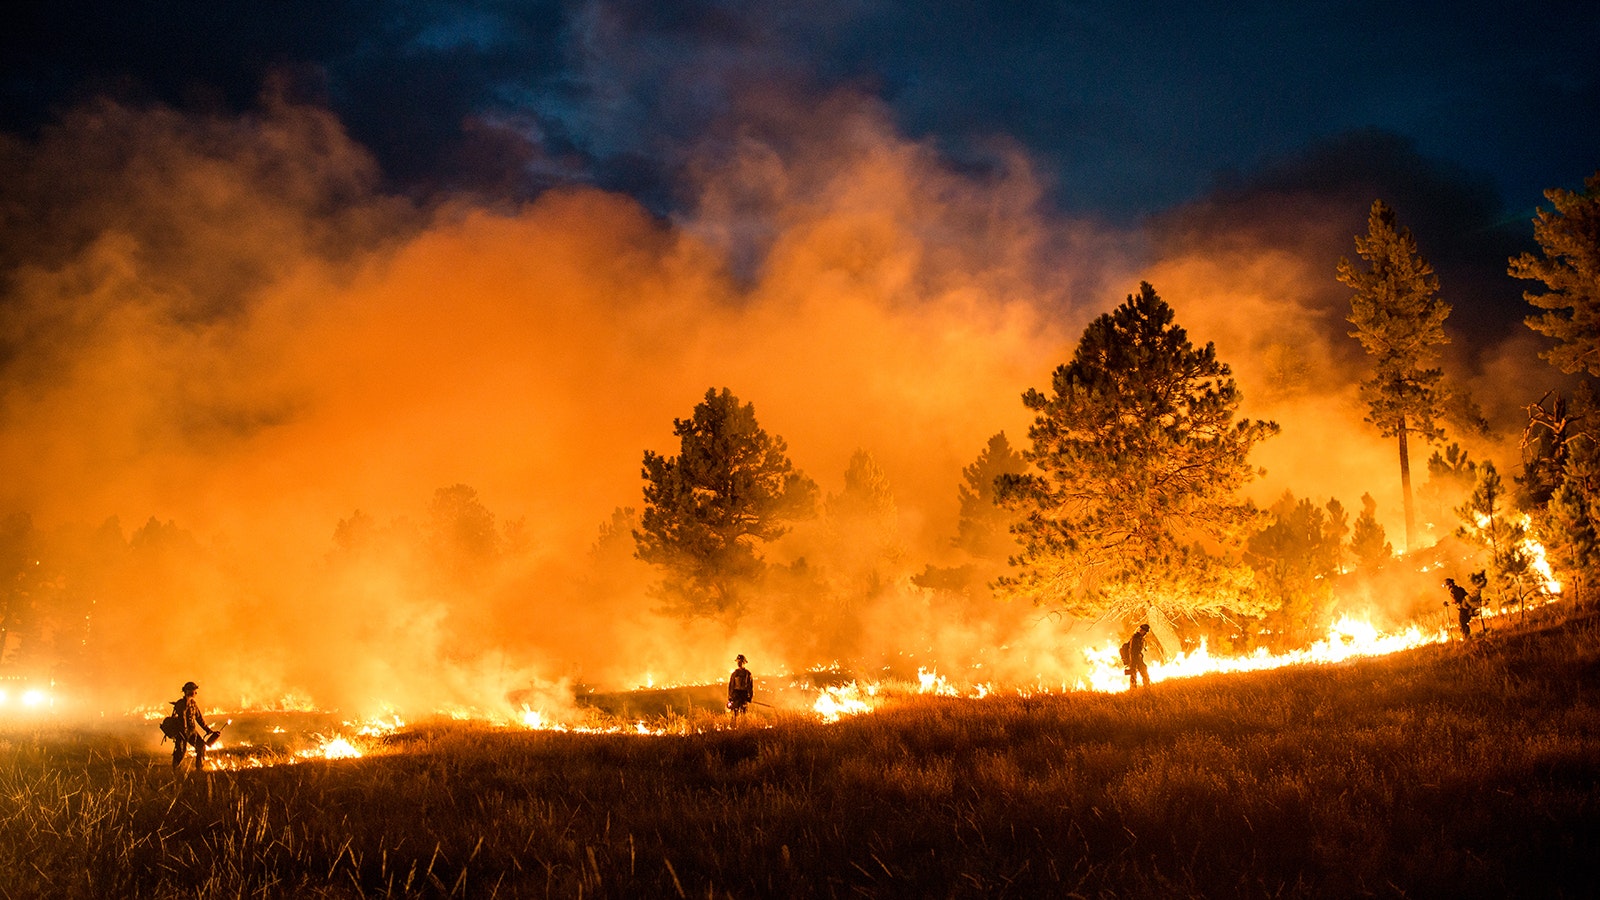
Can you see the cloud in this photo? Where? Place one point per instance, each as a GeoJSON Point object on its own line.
{"type": "Point", "coordinates": [1128, 110]}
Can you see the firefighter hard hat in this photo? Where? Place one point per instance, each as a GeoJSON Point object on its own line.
{"type": "Point", "coordinates": [190, 686]}
{"type": "Point", "coordinates": [740, 658]}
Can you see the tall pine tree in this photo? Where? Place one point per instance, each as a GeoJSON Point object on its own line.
{"type": "Point", "coordinates": [1137, 466]}
{"type": "Point", "coordinates": [1569, 237]}
{"type": "Point", "coordinates": [1399, 319]}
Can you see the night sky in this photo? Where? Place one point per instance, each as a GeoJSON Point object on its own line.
{"type": "Point", "coordinates": [1128, 109]}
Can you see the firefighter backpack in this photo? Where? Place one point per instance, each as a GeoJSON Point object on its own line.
{"type": "Point", "coordinates": [172, 726]}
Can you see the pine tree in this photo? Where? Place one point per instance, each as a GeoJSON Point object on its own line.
{"type": "Point", "coordinates": [710, 510]}
{"type": "Point", "coordinates": [1488, 521]}
{"type": "Point", "coordinates": [1569, 237]}
{"type": "Point", "coordinates": [984, 527]}
{"type": "Point", "coordinates": [1292, 557]}
{"type": "Point", "coordinates": [866, 494]}
{"type": "Point", "coordinates": [19, 582]}
{"type": "Point", "coordinates": [462, 536]}
{"type": "Point", "coordinates": [1451, 475]}
{"type": "Point", "coordinates": [1368, 544]}
{"type": "Point", "coordinates": [1553, 426]}
{"type": "Point", "coordinates": [1399, 320]}
{"type": "Point", "coordinates": [1572, 536]}
{"type": "Point", "coordinates": [864, 549]}
{"type": "Point", "coordinates": [615, 546]}
{"type": "Point", "coordinates": [1560, 483]}
{"type": "Point", "coordinates": [1137, 466]}
{"type": "Point", "coordinates": [1336, 528]}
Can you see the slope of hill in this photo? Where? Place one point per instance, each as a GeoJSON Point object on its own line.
{"type": "Point", "coordinates": [1448, 771]}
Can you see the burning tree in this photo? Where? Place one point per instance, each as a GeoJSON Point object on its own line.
{"type": "Point", "coordinates": [1368, 544]}
{"type": "Point", "coordinates": [1137, 465]}
{"type": "Point", "coordinates": [1569, 237]}
{"type": "Point", "coordinates": [1293, 557]}
{"type": "Point", "coordinates": [709, 510]}
{"type": "Point", "coordinates": [1488, 521]}
{"type": "Point", "coordinates": [1399, 320]}
{"type": "Point", "coordinates": [1561, 472]}
{"type": "Point", "coordinates": [1451, 476]}
{"type": "Point", "coordinates": [1571, 534]}
{"type": "Point", "coordinates": [1560, 484]}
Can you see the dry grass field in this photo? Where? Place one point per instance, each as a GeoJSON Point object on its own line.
{"type": "Point", "coordinates": [1444, 772]}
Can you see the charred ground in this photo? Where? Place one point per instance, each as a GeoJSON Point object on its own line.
{"type": "Point", "coordinates": [1446, 771]}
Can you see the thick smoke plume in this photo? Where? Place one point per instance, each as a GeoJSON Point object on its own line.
{"type": "Point", "coordinates": [304, 442]}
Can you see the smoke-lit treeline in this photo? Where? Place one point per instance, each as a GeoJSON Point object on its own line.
{"type": "Point", "coordinates": [266, 427]}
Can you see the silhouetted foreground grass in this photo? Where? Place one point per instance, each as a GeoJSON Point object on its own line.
{"type": "Point", "coordinates": [1439, 773]}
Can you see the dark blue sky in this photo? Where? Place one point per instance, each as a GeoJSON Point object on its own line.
{"type": "Point", "coordinates": [1128, 108]}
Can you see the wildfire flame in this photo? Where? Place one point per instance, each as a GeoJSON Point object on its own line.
{"type": "Point", "coordinates": [1533, 551]}
{"type": "Point", "coordinates": [1536, 559]}
{"type": "Point", "coordinates": [834, 703]}
{"type": "Point", "coordinates": [1348, 638]}
{"type": "Point", "coordinates": [333, 748]}
{"type": "Point", "coordinates": [29, 699]}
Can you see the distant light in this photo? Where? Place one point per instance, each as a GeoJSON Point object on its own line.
{"type": "Point", "coordinates": [34, 697]}
{"type": "Point", "coordinates": [3, 697]}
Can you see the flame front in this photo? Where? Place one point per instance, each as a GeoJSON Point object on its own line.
{"type": "Point", "coordinates": [834, 703]}
{"type": "Point", "coordinates": [1348, 638]}
{"type": "Point", "coordinates": [334, 748]}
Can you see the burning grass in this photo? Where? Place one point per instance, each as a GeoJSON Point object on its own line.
{"type": "Point", "coordinates": [1443, 771]}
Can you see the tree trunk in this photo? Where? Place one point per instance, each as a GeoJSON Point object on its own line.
{"type": "Point", "coordinates": [1405, 486]}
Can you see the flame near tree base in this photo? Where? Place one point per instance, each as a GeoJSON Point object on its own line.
{"type": "Point", "coordinates": [1348, 638]}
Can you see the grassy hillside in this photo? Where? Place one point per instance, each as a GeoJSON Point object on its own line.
{"type": "Point", "coordinates": [1445, 772]}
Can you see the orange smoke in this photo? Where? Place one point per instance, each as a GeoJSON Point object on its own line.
{"type": "Point", "coordinates": [226, 328]}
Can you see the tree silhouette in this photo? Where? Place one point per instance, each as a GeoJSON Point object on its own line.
{"type": "Point", "coordinates": [1451, 476]}
{"type": "Point", "coordinates": [1569, 237]}
{"type": "Point", "coordinates": [862, 525]}
{"type": "Point", "coordinates": [1336, 527]}
{"type": "Point", "coordinates": [1571, 535]}
{"type": "Point", "coordinates": [1488, 521]}
{"type": "Point", "coordinates": [1137, 464]}
{"type": "Point", "coordinates": [1399, 320]}
{"type": "Point", "coordinates": [462, 536]}
{"type": "Point", "coordinates": [1368, 544]}
{"type": "Point", "coordinates": [1292, 557]}
{"type": "Point", "coordinates": [709, 511]}
{"type": "Point", "coordinates": [984, 527]}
